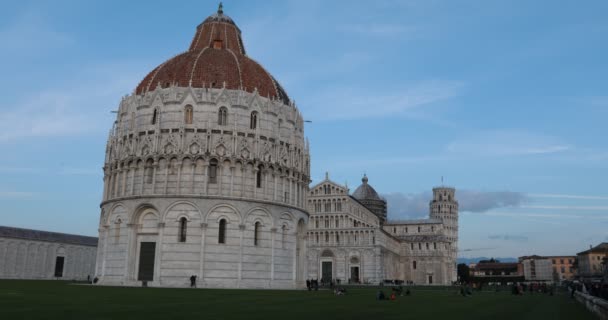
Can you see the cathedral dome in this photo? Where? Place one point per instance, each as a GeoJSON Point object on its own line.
{"type": "Point", "coordinates": [216, 59]}
{"type": "Point", "coordinates": [365, 191]}
{"type": "Point", "coordinates": [367, 196]}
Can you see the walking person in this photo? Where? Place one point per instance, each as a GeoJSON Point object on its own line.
{"type": "Point", "coordinates": [193, 281]}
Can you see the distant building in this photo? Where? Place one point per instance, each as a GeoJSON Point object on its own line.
{"type": "Point", "coordinates": [494, 271]}
{"type": "Point", "coordinates": [351, 240]}
{"type": "Point", "coordinates": [537, 268]}
{"type": "Point", "coordinates": [592, 262]}
{"type": "Point", "coordinates": [33, 254]}
{"type": "Point", "coordinates": [564, 267]}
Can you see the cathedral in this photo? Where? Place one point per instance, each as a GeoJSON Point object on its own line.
{"type": "Point", "coordinates": [350, 239]}
{"type": "Point", "coordinates": [207, 174]}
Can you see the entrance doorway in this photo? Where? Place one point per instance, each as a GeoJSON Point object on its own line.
{"type": "Point", "coordinates": [430, 279]}
{"type": "Point", "coordinates": [326, 271]}
{"type": "Point", "coordinates": [354, 274]}
{"type": "Point", "coordinates": [59, 261]}
{"type": "Point", "coordinates": [147, 252]}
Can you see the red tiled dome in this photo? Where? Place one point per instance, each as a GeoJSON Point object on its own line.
{"type": "Point", "coordinates": [216, 58]}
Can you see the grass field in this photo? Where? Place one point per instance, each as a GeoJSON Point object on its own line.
{"type": "Point", "coordinates": [61, 300]}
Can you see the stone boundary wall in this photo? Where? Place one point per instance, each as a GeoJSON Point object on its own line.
{"type": "Point", "coordinates": [596, 305]}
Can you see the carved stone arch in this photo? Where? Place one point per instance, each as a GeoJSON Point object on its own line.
{"type": "Point", "coordinates": [142, 210]}
{"type": "Point", "coordinates": [182, 202]}
{"type": "Point", "coordinates": [287, 218]}
{"type": "Point", "coordinates": [249, 218]}
{"type": "Point", "coordinates": [115, 212]}
{"type": "Point", "coordinates": [213, 210]}
{"type": "Point", "coordinates": [327, 253]}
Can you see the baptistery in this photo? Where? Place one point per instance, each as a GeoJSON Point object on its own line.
{"type": "Point", "coordinates": [206, 174]}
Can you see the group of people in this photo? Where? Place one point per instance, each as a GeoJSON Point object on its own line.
{"type": "Point", "coordinates": [596, 289]}
{"type": "Point", "coordinates": [312, 284]}
{"type": "Point", "coordinates": [521, 288]}
{"type": "Point", "coordinates": [395, 292]}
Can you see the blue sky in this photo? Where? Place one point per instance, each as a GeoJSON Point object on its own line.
{"type": "Point", "coordinates": [508, 100]}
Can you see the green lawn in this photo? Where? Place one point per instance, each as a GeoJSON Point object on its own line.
{"type": "Point", "coordinates": [60, 300]}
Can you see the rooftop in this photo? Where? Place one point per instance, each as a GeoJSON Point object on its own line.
{"type": "Point", "coordinates": [38, 235]}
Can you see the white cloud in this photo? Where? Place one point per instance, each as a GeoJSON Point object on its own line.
{"type": "Point", "coordinates": [356, 103]}
{"type": "Point", "coordinates": [549, 207]}
{"type": "Point", "coordinates": [507, 143]}
{"type": "Point", "coordinates": [566, 196]}
{"type": "Point", "coordinates": [416, 205]}
{"type": "Point", "coordinates": [75, 107]}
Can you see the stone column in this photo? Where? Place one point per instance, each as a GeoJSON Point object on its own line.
{"type": "Point", "coordinates": [265, 184]}
{"type": "Point", "coordinates": [283, 188]}
{"type": "Point", "coordinates": [243, 179]}
{"type": "Point", "coordinates": [242, 229]}
{"type": "Point", "coordinates": [178, 187]}
{"type": "Point", "coordinates": [125, 173]}
{"type": "Point", "coordinates": [220, 177]}
{"type": "Point", "coordinates": [205, 178]}
{"type": "Point", "coordinates": [192, 175]}
{"type": "Point", "coordinates": [134, 170]}
{"type": "Point", "coordinates": [159, 253]}
{"type": "Point", "coordinates": [274, 177]}
{"type": "Point", "coordinates": [143, 178]}
{"type": "Point", "coordinates": [105, 232]}
{"type": "Point", "coordinates": [154, 166]}
{"type": "Point", "coordinates": [273, 235]}
{"type": "Point", "coordinates": [166, 176]}
{"type": "Point", "coordinates": [255, 181]}
{"type": "Point", "coordinates": [202, 256]}
{"type": "Point", "coordinates": [129, 263]}
{"type": "Point", "coordinates": [232, 169]}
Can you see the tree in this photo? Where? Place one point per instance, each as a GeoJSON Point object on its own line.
{"type": "Point", "coordinates": [463, 272]}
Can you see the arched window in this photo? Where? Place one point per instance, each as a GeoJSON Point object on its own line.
{"type": "Point", "coordinates": [412, 246]}
{"type": "Point", "coordinates": [253, 122]}
{"type": "Point", "coordinates": [414, 265]}
{"type": "Point", "coordinates": [258, 177]}
{"type": "Point", "coordinates": [188, 114]}
{"type": "Point", "coordinates": [316, 223]}
{"type": "Point", "coordinates": [221, 235]}
{"type": "Point", "coordinates": [326, 237]}
{"type": "Point", "coordinates": [183, 226]}
{"type": "Point", "coordinates": [154, 116]}
{"type": "Point", "coordinates": [337, 238]}
{"type": "Point", "coordinates": [256, 234]}
{"type": "Point", "coordinates": [212, 171]}
{"type": "Point", "coordinates": [222, 118]}
{"type": "Point", "coordinates": [435, 245]}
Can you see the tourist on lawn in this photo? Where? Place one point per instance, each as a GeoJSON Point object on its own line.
{"type": "Point", "coordinates": [380, 295]}
{"type": "Point", "coordinates": [193, 281]}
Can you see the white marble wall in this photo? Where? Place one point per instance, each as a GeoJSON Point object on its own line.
{"type": "Point", "coordinates": [277, 261]}
{"type": "Point", "coordinates": [27, 259]}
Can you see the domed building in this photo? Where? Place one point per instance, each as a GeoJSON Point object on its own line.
{"type": "Point", "coordinates": [206, 173]}
{"type": "Point", "coordinates": [368, 196]}
{"type": "Point", "coordinates": [351, 239]}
